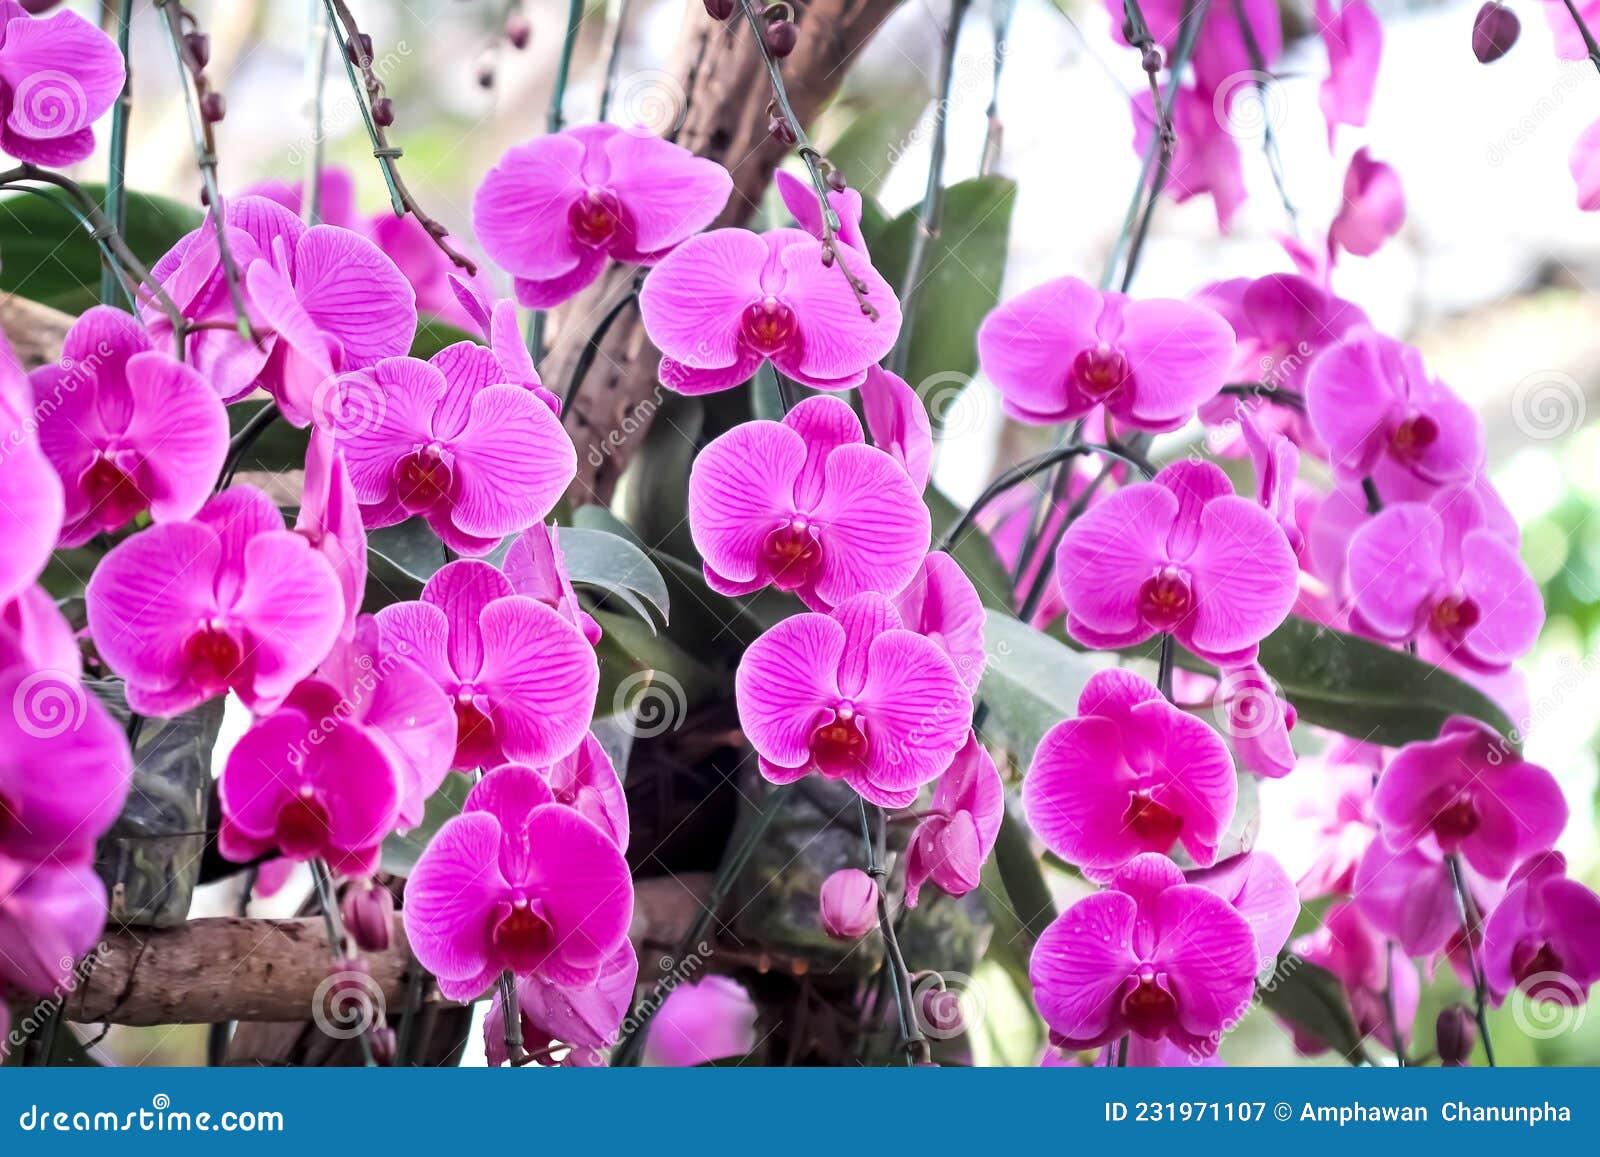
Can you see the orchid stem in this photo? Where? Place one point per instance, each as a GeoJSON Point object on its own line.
{"type": "Point", "coordinates": [1391, 1014]}
{"type": "Point", "coordinates": [1470, 921]}
{"type": "Point", "coordinates": [321, 34]}
{"type": "Point", "coordinates": [616, 21]}
{"type": "Point", "coordinates": [322, 881]}
{"type": "Point", "coordinates": [511, 1012]}
{"type": "Point", "coordinates": [875, 836]}
{"type": "Point", "coordinates": [116, 205]}
{"type": "Point", "coordinates": [1583, 30]}
{"type": "Point", "coordinates": [555, 120]}
{"type": "Point", "coordinates": [994, 131]}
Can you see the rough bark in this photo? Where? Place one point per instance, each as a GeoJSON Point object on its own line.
{"type": "Point", "coordinates": [723, 116]}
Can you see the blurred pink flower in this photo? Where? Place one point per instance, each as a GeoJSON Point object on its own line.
{"type": "Point", "coordinates": [949, 847]}
{"type": "Point", "coordinates": [58, 75]}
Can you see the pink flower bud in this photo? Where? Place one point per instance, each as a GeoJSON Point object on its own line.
{"type": "Point", "coordinates": [720, 9]}
{"type": "Point", "coordinates": [849, 904]}
{"type": "Point", "coordinates": [781, 37]}
{"type": "Point", "coordinates": [368, 912]}
{"type": "Point", "coordinates": [383, 1042]}
{"type": "Point", "coordinates": [1494, 31]}
{"type": "Point", "coordinates": [1454, 1035]}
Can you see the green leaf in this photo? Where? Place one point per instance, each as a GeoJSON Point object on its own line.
{"type": "Point", "coordinates": [406, 550]}
{"type": "Point", "coordinates": [617, 566]}
{"type": "Point", "coordinates": [400, 851]}
{"type": "Point", "coordinates": [1030, 683]}
{"type": "Point", "coordinates": [646, 675]}
{"type": "Point", "coordinates": [1311, 998]}
{"type": "Point", "coordinates": [653, 496]}
{"type": "Point", "coordinates": [961, 275]}
{"type": "Point", "coordinates": [434, 335]}
{"type": "Point", "coordinates": [47, 256]}
{"type": "Point", "coordinates": [974, 552]}
{"type": "Point", "coordinates": [1364, 689]}
{"type": "Point", "coordinates": [867, 148]}
{"type": "Point", "coordinates": [1031, 907]}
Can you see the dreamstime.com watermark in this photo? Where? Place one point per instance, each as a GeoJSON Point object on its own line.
{"type": "Point", "coordinates": [674, 973]}
{"type": "Point", "coordinates": [157, 1117]}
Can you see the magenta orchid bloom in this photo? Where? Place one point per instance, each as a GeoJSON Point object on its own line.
{"type": "Point", "coordinates": [1471, 793]}
{"type": "Point", "coordinates": [31, 500]}
{"type": "Point", "coordinates": [1371, 399]}
{"type": "Point", "coordinates": [1354, 39]}
{"type": "Point", "coordinates": [898, 422]}
{"type": "Point", "coordinates": [1205, 158]}
{"type": "Point", "coordinates": [1438, 572]}
{"type": "Point", "coordinates": [58, 75]}
{"type": "Point", "coordinates": [64, 767]}
{"type": "Point", "coordinates": [330, 520]}
{"type": "Point", "coordinates": [229, 600]}
{"type": "Point", "coordinates": [522, 678]}
{"type": "Point", "coordinates": [805, 506]}
{"type": "Point", "coordinates": [1153, 956]}
{"type": "Point", "coordinates": [1320, 823]}
{"type": "Point", "coordinates": [127, 428]}
{"type": "Point", "coordinates": [724, 302]}
{"type": "Point", "coordinates": [800, 198]}
{"type": "Point", "coordinates": [583, 1018]}
{"type": "Point", "coordinates": [497, 325]}
{"type": "Point", "coordinates": [34, 633]}
{"type": "Point", "coordinates": [1544, 936]}
{"type": "Point", "coordinates": [1276, 460]}
{"type": "Point", "coordinates": [1569, 37]}
{"type": "Point", "coordinates": [587, 781]}
{"type": "Point", "coordinates": [702, 1022]}
{"type": "Point", "coordinates": [1131, 774]}
{"type": "Point", "coordinates": [1257, 719]}
{"type": "Point", "coordinates": [449, 440]}
{"type": "Point", "coordinates": [517, 883]}
{"type": "Point", "coordinates": [853, 696]}
{"type": "Point", "coordinates": [1221, 52]}
{"type": "Point", "coordinates": [941, 603]}
{"type": "Point", "coordinates": [535, 566]}
{"type": "Point", "coordinates": [1183, 554]}
{"type": "Point", "coordinates": [1374, 207]}
{"type": "Point", "coordinates": [1368, 967]}
{"type": "Point", "coordinates": [50, 914]}
{"type": "Point", "coordinates": [1584, 162]}
{"type": "Point", "coordinates": [1063, 348]}
{"type": "Point", "coordinates": [555, 208]}
{"type": "Point", "coordinates": [307, 784]}
{"type": "Point", "coordinates": [1260, 890]}
{"type": "Point", "coordinates": [1409, 894]}
{"type": "Point", "coordinates": [949, 847]}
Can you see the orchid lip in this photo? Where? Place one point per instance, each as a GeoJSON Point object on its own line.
{"type": "Point", "coordinates": [596, 217]}
{"type": "Point", "coordinates": [1166, 598]}
{"type": "Point", "coordinates": [768, 326]}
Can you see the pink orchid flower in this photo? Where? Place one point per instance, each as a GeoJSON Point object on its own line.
{"type": "Point", "coordinates": [1354, 39]}
{"type": "Point", "coordinates": [1374, 207]}
{"type": "Point", "coordinates": [1569, 37]}
{"type": "Point", "coordinates": [1221, 51]}
{"type": "Point", "coordinates": [724, 302]}
{"type": "Point", "coordinates": [587, 781]}
{"type": "Point", "coordinates": [1370, 398]}
{"type": "Point", "coordinates": [1409, 894]}
{"type": "Point", "coordinates": [1368, 967]}
{"type": "Point", "coordinates": [1205, 157]}
{"type": "Point", "coordinates": [31, 500]}
{"type": "Point", "coordinates": [1153, 956]}
{"type": "Point", "coordinates": [1438, 572]}
{"type": "Point", "coordinates": [449, 440]}
{"type": "Point", "coordinates": [1131, 774]}
{"type": "Point", "coordinates": [1257, 719]}
{"type": "Point", "coordinates": [536, 568]}
{"type": "Point", "coordinates": [1260, 890]}
{"type": "Point", "coordinates": [949, 847]}
{"type": "Point", "coordinates": [1471, 793]}
{"type": "Point", "coordinates": [1584, 161]}
{"type": "Point", "coordinates": [800, 198]}
{"type": "Point", "coordinates": [700, 1022]}
{"type": "Point", "coordinates": [805, 506]}
{"type": "Point", "coordinates": [522, 678]}
{"type": "Point", "coordinates": [853, 696]}
{"type": "Point", "coordinates": [1063, 348]}
{"type": "Point", "coordinates": [1183, 554]}
{"type": "Point", "coordinates": [330, 520]}
{"type": "Point", "coordinates": [229, 600]}
{"type": "Point", "coordinates": [34, 633]}
{"type": "Point", "coordinates": [307, 784]}
{"type": "Point", "coordinates": [517, 883]}
{"type": "Point", "coordinates": [58, 75]}
{"type": "Point", "coordinates": [941, 603]}
{"type": "Point", "coordinates": [50, 914]}
{"type": "Point", "coordinates": [898, 422]}
{"type": "Point", "coordinates": [497, 325]}
{"type": "Point", "coordinates": [64, 767]}
{"type": "Point", "coordinates": [1544, 936]}
{"type": "Point", "coordinates": [1276, 460]}
{"type": "Point", "coordinates": [582, 1018]}
{"type": "Point", "coordinates": [1320, 823]}
{"type": "Point", "coordinates": [127, 428]}
{"type": "Point", "coordinates": [553, 209]}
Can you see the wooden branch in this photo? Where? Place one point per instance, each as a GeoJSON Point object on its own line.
{"type": "Point", "coordinates": [35, 331]}
{"type": "Point", "coordinates": [219, 969]}
{"type": "Point", "coordinates": [724, 117]}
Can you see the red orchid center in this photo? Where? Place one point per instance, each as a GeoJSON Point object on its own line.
{"type": "Point", "coordinates": [1456, 820]}
{"type": "Point", "coordinates": [1149, 1007]}
{"type": "Point", "coordinates": [839, 746]}
{"type": "Point", "coordinates": [1154, 823]}
{"type": "Point", "coordinates": [302, 826]}
{"type": "Point", "coordinates": [792, 553]}
{"type": "Point", "coordinates": [1165, 598]}
{"type": "Point", "coordinates": [1101, 371]}
{"type": "Point", "coordinates": [1454, 615]}
{"type": "Point", "coordinates": [1411, 437]}
{"type": "Point", "coordinates": [113, 494]}
{"type": "Point", "coordinates": [595, 217]}
{"type": "Point", "coordinates": [523, 937]}
{"type": "Point", "coordinates": [1535, 960]}
{"type": "Point", "coordinates": [475, 734]}
{"type": "Point", "coordinates": [212, 655]}
{"type": "Point", "coordinates": [768, 326]}
{"type": "Point", "coordinates": [424, 479]}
